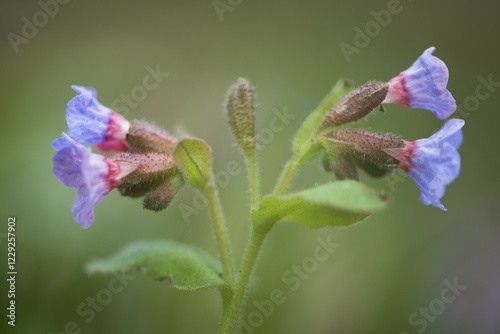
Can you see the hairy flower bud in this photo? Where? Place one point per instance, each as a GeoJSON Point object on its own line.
{"type": "Point", "coordinates": [160, 197]}
{"type": "Point", "coordinates": [356, 105]}
{"type": "Point", "coordinates": [240, 108]}
{"type": "Point", "coordinates": [371, 168]}
{"type": "Point", "coordinates": [341, 165]}
{"type": "Point", "coordinates": [152, 169]}
{"type": "Point", "coordinates": [364, 149]}
{"type": "Point", "coordinates": [146, 137]}
{"type": "Point", "coordinates": [137, 190]}
{"type": "Point", "coordinates": [369, 145]}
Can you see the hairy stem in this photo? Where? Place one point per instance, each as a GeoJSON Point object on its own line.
{"type": "Point", "coordinates": [233, 311]}
{"type": "Point", "coordinates": [231, 318]}
{"type": "Point", "coordinates": [253, 176]}
{"type": "Point", "coordinates": [293, 165]}
{"type": "Point", "coordinates": [289, 172]}
{"type": "Point", "coordinates": [221, 233]}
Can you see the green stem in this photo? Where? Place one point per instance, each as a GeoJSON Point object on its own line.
{"type": "Point", "coordinates": [233, 311]}
{"type": "Point", "coordinates": [253, 177]}
{"type": "Point", "coordinates": [221, 233]}
{"type": "Point", "coordinates": [231, 318]}
{"type": "Point", "coordinates": [293, 165]}
{"type": "Point", "coordinates": [289, 172]}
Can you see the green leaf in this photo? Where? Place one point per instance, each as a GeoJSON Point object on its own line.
{"type": "Point", "coordinates": [338, 203]}
{"type": "Point", "coordinates": [307, 131]}
{"type": "Point", "coordinates": [194, 157]}
{"type": "Point", "coordinates": [185, 266]}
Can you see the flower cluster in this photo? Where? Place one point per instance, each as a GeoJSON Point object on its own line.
{"type": "Point", "coordinates": [433, 163]}
{"type": "Point", "coordinates": [143, 163]}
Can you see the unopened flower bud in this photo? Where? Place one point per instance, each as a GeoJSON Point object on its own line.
{"type": "Point", "coordinates": [377, 170]}
{"type": "Point", "coordinates": [356, 105]}
{"type": "Point", "coordinates": [341, 165]}
{"type": "Point", "coordinates": [146, 137]}
{"type": "Point", "coordinates": [160, 197]}
{"type": "Point", "coordinates": [152, 169]}
{"type": "Point", "coordinates": [240, 108]}
{"type": "Point", "coordinates": [136, 190]}
{"type": "Point", "coordinates": [364, 149]}
{"type": "Point", "coordinates": [370, 145]}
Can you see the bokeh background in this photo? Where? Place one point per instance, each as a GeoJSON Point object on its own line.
{"type": "Point", "coordinates": [385, 269]}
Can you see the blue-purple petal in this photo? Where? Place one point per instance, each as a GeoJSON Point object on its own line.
{"type": "Point", "coordinates": [87, 119]}
{"type": "Point", "coordinates": [83, 208]}
{"type": "Point", "coordinates": [425, 81]}
{"type": "Point", "coordinates": [429, 194]}
{"type": "Point", "coordinates": [436, 162]}
{"type": "Point", "coordinates": [449, 132]}
{"type": "Point", "coordinates": [86, 200]}
{"type": "Point", "coordinates": [77, 167]}
{"type": "Point", "coordinates": [67, 161]}
{"type": "Point", "coordinates": [85, 90]}
{"type": "Point", "coordinates": [59, 143]}
{"type": "Point", "coordinates": [442, 105]}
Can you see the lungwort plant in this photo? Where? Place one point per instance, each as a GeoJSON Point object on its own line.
{"type": "Point", "coordinates": [149, 162]}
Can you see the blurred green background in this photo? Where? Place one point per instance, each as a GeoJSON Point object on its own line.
{"type": "Point", "coordinates": [385, 269]}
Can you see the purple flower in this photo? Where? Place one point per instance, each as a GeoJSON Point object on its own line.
{"type": "Point", "coordinates": [434, 162]}
{"type": "Point", "coordinates": [91, 123]}
{"type": "Point", "coordinates": [423, 85]}
{"type": "Point", "coordinates": [93, 175]}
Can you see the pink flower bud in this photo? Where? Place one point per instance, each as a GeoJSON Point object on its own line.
{"type": "Point", "coordinates": [160, 197]}
{"type": "Point", "coordinates": [146, 137]}
{"type": "Point", "coordinates": [356, 105]}
{"type": "Point", "coordinates": [342, 165]}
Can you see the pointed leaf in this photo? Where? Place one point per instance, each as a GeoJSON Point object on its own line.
{"type": "Point", "coordinates": [186, 267]}
{"type": "Point", "coordinates": [194, 157]}
{"type": "Point", "coordinates": [338, 203]}
{"type": "Point", "coordinates": [308, 129]}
